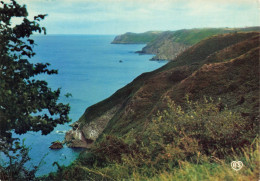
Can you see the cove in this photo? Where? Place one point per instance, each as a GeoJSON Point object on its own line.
{"type": "Point", "coordinates": [91, 69]}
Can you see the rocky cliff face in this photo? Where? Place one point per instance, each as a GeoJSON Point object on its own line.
{"type": "Point", "coordinates": [164, 47]}
{"type": "Point", "coordinates": [169, 44]}
{"type": "Point", "coordinates": [169, 50]}
{"type": "Point", "coordinates": [83, 135]}
{"type": "Point", "coordinates": [224, 66]}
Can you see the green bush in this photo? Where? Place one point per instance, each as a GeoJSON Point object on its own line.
{"type": "Point", "coordinates": [204, 127]}
{"type": "Point", "coordinates": [203, 137]}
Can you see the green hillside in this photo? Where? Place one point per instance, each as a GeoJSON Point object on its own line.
{"type": "Point", "coordinates": [136, 38]}
{"type": "Point", "coordinates": [188, 119]}
{"type": "Point", "coordinates": [170, 44]}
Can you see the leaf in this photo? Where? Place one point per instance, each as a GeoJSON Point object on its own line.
{"type": "Point", "coordinates": [68, 95]}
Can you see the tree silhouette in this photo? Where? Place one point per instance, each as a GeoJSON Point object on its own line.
{"type": "Point", "coordinates": [26, 103]}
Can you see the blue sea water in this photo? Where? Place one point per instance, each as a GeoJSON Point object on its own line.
{"type": "Point", "coordinates": [90, 69]}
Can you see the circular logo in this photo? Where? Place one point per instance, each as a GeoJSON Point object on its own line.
{"type": "Point", "coordinates": [236, 165]}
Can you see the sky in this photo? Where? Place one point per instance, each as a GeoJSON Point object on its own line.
{"type": "Point", "coordinates": [120, 16]}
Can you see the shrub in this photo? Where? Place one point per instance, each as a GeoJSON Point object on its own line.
{"type": "Point", "coordinates": [202, 127]}
{"type": "Point", "coordinates": [203, 137]}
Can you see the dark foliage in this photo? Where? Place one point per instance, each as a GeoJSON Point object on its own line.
{"type": "Point", "coordinates": [26, 104]}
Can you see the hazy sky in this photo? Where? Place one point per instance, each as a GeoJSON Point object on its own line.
{"type": "Point", "coordinates": [120, 16]}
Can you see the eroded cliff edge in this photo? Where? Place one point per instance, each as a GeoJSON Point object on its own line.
{"type": "Point", "coordinates": [224, 66]}
{"type": "Point", "coordinates": [168, 45]}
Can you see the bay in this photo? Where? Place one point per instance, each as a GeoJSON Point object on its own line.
{"type": "Point", "coordinates": [91, 69]}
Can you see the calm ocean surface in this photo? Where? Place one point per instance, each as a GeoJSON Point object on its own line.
{"type": "Point", "coordinates": [90, 70]}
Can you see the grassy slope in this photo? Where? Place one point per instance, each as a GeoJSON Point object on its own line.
{"type": "Point", "coordinates": [224, 66]}
{"type": "Point", "coordinates": [214, 171]}
{"type": "Point", "coordinates": [140, 99]}
{"type": "Point", "coordinates": [136, 38]}
{"type": "Point", "coordinates": [168, 45]}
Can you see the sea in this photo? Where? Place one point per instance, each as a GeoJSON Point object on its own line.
{"type": "Point", "coordinates": [91, 69]}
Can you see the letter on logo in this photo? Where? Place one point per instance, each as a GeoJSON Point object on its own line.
{"type": "Point", "coordinates": [236, 165]}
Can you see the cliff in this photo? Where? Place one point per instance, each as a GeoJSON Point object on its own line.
{"type": "Point", "coordinates": [169, 44]}
{"type": "Point", "coordinates": [136, 38]}
{"type": "Point", "coordinates": [222, 66]}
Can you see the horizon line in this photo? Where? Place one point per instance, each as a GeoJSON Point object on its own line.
{"type": "Point", "coordinates": [147, 31]}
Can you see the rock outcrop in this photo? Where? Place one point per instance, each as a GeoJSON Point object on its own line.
{"type": "Point", "coordinates": [56, 145]}
{"type": "Point", "coordinates": [75, 139]}
{"type": "Point", "coordinates": [83, 135]}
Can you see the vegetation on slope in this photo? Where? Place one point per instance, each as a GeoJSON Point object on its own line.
{"type": "Point", "coordinates": [133, 105]}
{"type": "Point", "coordinates": [138, 100]}
{"type": "Point", "coordinates": [195, 143]}
{"type": "Point", "coordinates": [136, 38]}
{"type": "Point", "coordinates": [156, 132]}
{"type": "Point", "coordinates": [170, 44]}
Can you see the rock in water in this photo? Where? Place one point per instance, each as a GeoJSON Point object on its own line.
{"type": "Point", "coordinates": [56, 145]}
